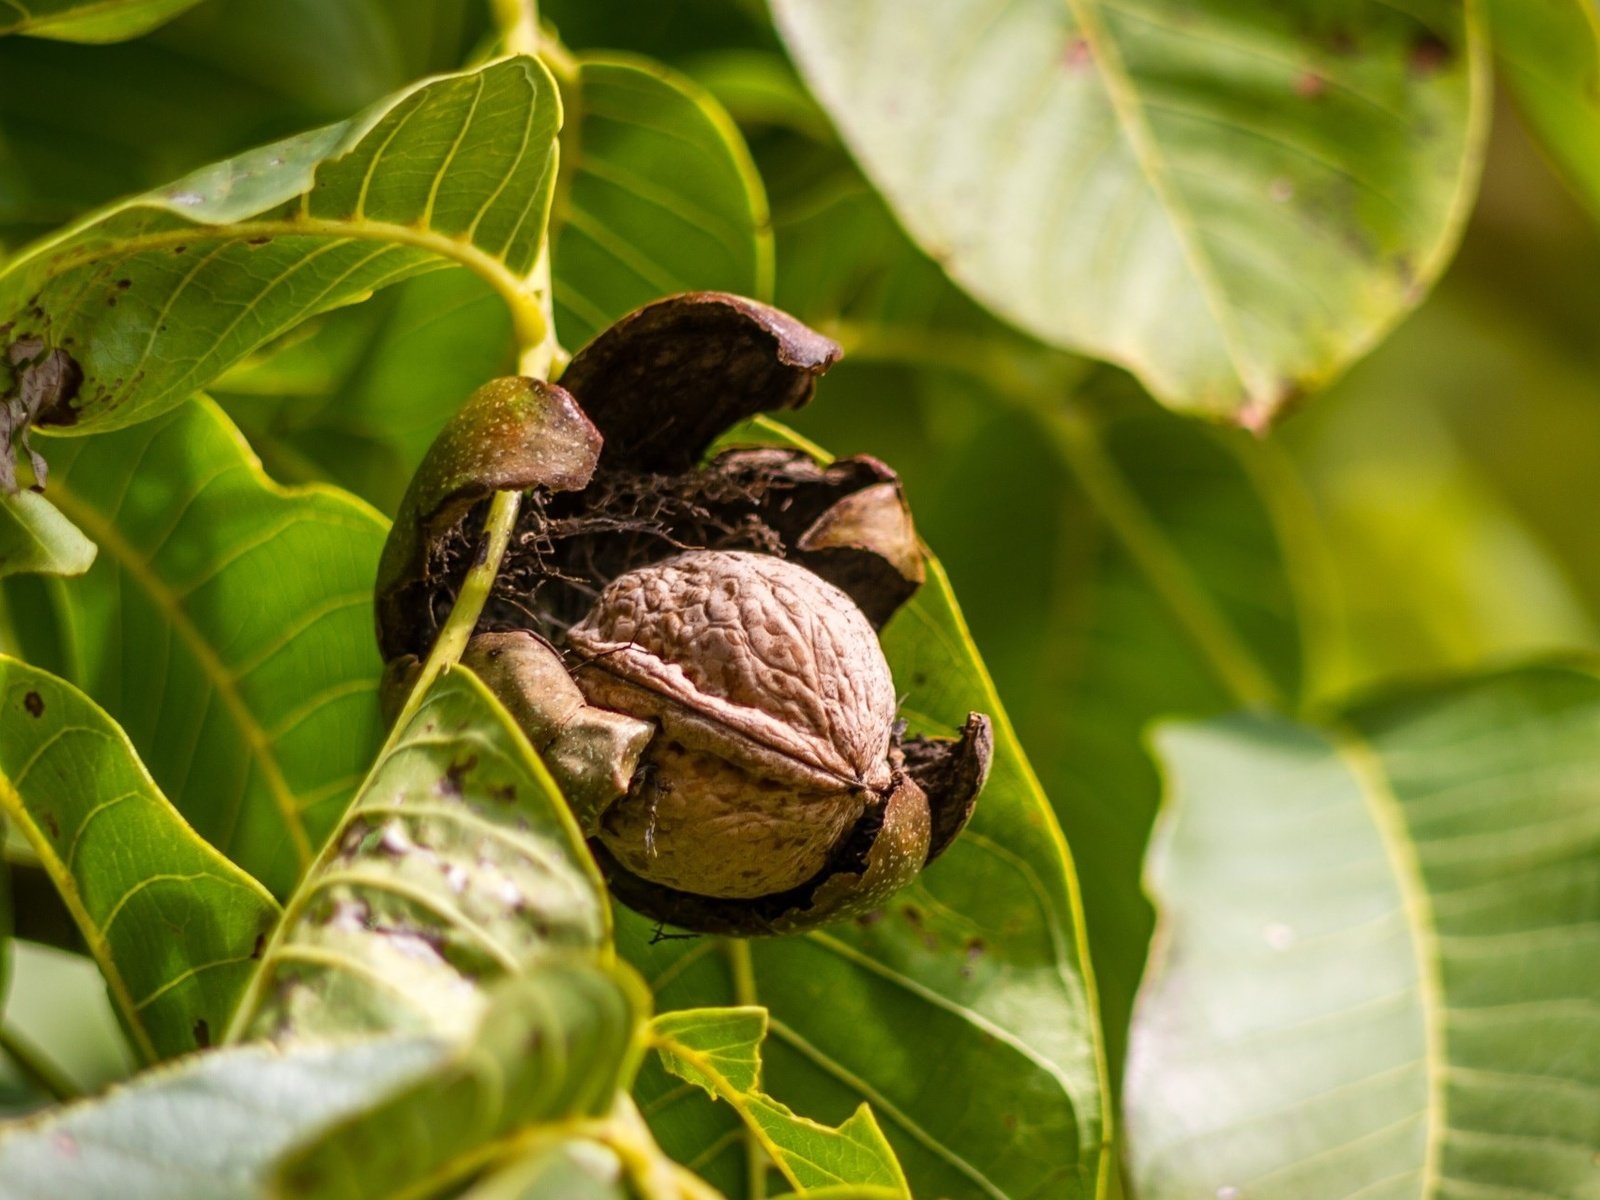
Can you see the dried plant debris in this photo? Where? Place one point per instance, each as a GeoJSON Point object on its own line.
{"type": "Point", "coordinates": [692, 645]}
{"type": "Point", "coordinates": [37, 385]}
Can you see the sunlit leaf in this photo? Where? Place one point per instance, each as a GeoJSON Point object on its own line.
{"type": "Point", "coordinates": [156, 296]}
{"type": "Point", "coordinates": [210, 1127]}
{"type": "Point", "coordinates": [658, 196]}
{"type": "Point", "coordinates": [36, 538]}
{"type": "Point", "coordinates": [1549, 51]}
{"type": "Point", "coordinates": [552, 1045]}
{"type": "Point", "coordinates": [719, 1050]}
{"type": "Point", "coordinates": [1232, 202]}
{"type": "Point", "coordinates": [227, 626]}
{"type": "Point", "coordinates": [174, 926]}
{"type": "Point", "coordinates": [457, 865]}
{"type": "Point", "coordinates": [976, 973]}
{"type": "Point", "coordinates": [1378, 951]}
{"type": "Point", "coordinates": [88, 20]}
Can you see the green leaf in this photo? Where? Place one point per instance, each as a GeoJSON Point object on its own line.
{"type": "Point", "coordinates": [658, 195]}
{"type": "Point", "coordinates": [174, 926]}
{"type": "Point", "coordinates": [1549, 53]}
{"type": "Point", "coordinates": [227, 626]}
{"type": "Point", "coordinates": [88, 20]}
{"type": "Point", "coordinates": [552, 1047]}
{"type": "Point", "coordinates": [36, 538]}
{"type": "Point", "coordinates": [719, 1050]}
{"type": "Point", "coordinates": [457, 865]}
{"type": "Point", "coordinates": [456, 170]}
{"type": "Point", "coordinates": [210, 1127]}
{"type": "Point", "coordinates": [1233, 203]}
{"type": "Point", "coordinates": [1376, 966]}
{"type": "Point", "coordinates": [979, 967]}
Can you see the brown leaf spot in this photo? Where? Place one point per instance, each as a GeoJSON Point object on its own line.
{"type": "Point", "coordinates": [258, 241]}
{"type": "Point", "coordinates": [202, 1034]}
{"type": "Point", "coordinates": [1429, 55]}
{"type": "Point", "coordinates": [1310, 85]}
{"type": "Point", "coordinates": [455, 775]}
{"type": "Point", "coordinates": [50, 823]}
{"type": "Point", "coordinates": [34, 703]}
{"type": "Point", "coordinates": [259, 947]}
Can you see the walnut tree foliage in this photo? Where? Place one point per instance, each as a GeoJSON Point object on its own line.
{"type": "Point", "coordinates": [1238, 361]}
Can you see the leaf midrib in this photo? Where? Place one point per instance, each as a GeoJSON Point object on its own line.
{"type": "Point", "coordinates": [1129, 110]}
{"type": "Point", "coordinates": [93, 935]}
{"type": "Point", "coordinates": [1388, 820]}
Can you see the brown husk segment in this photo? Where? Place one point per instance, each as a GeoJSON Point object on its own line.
{"type": "Point", "coordinates": [664, 382]}
{"type": "Point", "coordinates": [660, 386]}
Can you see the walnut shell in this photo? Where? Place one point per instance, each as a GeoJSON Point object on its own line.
{"type": "Point", "coordinates": [776, 709]}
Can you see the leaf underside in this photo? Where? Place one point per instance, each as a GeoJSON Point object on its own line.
{"type": "Point", "coordinates": [1232, 201]}
{"type": "Point", "coordinates": [1376, 962]}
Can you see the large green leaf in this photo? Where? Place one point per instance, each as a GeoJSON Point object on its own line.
{"type": "Point", "coordinates": [227, 626]}
{"type": "Point", "coordinates": [658, 195]}
{"type": "Point", "coordinates": [719, 1050]}
{"type": "Point", "coordinates": [156, 296]}
{"type": "Point", "coordinates": [211, 1127]}
{"type": "Point", "coordinates": [961, 1013]}
{"type": "Point", "coordinates": [1378, 952]}
{"type": "Point", "coordinates": [174, 926]}
{"type": "Point", "coordinates": [552, 1046]}
{"type": "Point", "coordinates": [1232, 202]}
{"type": "Point", "coordinates": [88, 20]}
{"type": "Point", "coordinates": [1549, 51]}
{"type": "Point", "coordinates": [458, 864]}
{"type": "Point", "coordinates": [35, 537]}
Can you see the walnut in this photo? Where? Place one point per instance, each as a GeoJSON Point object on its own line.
{"type": "Point", "coordinates": [690, 645]}
{"type": "Point", "coordinates": [776, 711]}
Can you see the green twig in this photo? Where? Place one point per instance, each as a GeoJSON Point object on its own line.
{"type": "Point", "coordinates": [518, 23]}
{"type": "Point", "coordinates": [35, 1066]}
{"type": "Point", "coordinates": [463, 619]}
{"type": "Point", "coordinates": [1230, 659]}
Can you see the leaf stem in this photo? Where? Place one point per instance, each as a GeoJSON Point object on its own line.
{"type": "Point", "coordinates": [742, 967]}
{"type": "Point", "coordinates": [1164, 569]}
{"type": "Point", "coordinates": [458, 626]}
{"type": "Point", "coordinates": [35, 1066]}
{"type": "Point", "coordinates": [518, 22]}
